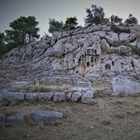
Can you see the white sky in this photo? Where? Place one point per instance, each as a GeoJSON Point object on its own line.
{"type": "Point", "coordinates": [62, 9]}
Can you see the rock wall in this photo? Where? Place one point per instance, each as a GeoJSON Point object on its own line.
{"type": "Point", "coordinates": [88, 51]}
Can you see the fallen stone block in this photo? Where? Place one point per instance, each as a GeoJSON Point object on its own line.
{"type": "Point", "coordinates": [68, 96]}
{"type": "Point", "coordinates": [45, 116]}
{"type": "Point", "coordinates": [58, 96]}
{"type": "Point", "coordinates": [87, 97]}
{"type": "Point", "coordinates": [75, 96]}
{"type": "Point", "coordinates": [45, 96]}
{"type": "Point", "coordinates": [13, 96]}
{"type": "Point", "coordinates": [17, 119]}
{"type": "Point", "coordinates": [31, 97]}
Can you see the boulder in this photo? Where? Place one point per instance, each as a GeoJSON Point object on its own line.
{"type": "Point", "coordinates": [13, 96]}
{"type": "Point", "coordinates": [31, 97]}
{"type": "Point", "coordinates": [124, 86]}
{"type": "Point", "coordinates": [2, 117]}
{"type": "Point", "coordinates": [88, 97]}
{"type": "Point", "coordinates": [76, 96]}
{"type": "Point", "coordinates": [45, 96]}
{"type": "Point", "coordinates": [58, 96]}
{"type": "Point", "coordinates": [111, 37]}
{"type": "Point", "coordinates": [45, 116]}
{"type": "Point", "coordinates": [127, 37]}
{"type": "Point", "coordinates": [17, 119]}
{"type": "Point", "coordinates": [124, 36]}
{"type": "Point", "coordinates": [58, 49]}
{"type": "Point", "coordinates": [68, 96]}
{"type": "Point", "coordinates": [105, 46]}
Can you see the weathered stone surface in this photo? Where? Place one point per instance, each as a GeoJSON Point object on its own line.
{"type": "Point", "coordinates": [105, 46]}
{"type": "Point", "coordinates": [17, 119]}
{"type": "Point", "coordinates": [13, 96]}
{"type": "Point", "coordinates": [31, 97]}
{"type": "Point", "coordinates": [68, 96]}
{"type": "Point", "coordinates": [127, 37]}
{"type": "Point", "coordinates": [58, 96]}
{"type": "Point", "coordinates": [75, 96]}
{"type": "Point", "coordinates": [94, 51]}
{"type": "Point", "coordinates": [84, 51]}
{"type": "Point", "coordinates": [84, 84]}
{"type": "Point", "coordinates": [45, 116]}
{"type": "Point", "coordinates": [45, 96]}
{"type": "Point", "coordinates": [124, 86]}
{"type": "Point", "coordinates": [2, 117]}
{"type": "Point", "coordinates": [88, 96]}
{"type": "Point", "coordinates": [111, 37]}
{"type": "Point", "coordinates": [108, 91]}
{"type": "Point", "coordinates": [18, 84]}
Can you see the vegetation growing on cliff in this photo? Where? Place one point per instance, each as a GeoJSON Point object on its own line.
{"type": "Point", "coordinates": [24, 29]}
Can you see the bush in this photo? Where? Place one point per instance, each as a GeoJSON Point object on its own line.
{"type": "Point", "coordinates": [118, 29]}
{"type": "Point", "coordinates": [136, 50]}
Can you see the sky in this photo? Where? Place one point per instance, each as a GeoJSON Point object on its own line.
{"type": "Point", "coordinates": [60, 10]}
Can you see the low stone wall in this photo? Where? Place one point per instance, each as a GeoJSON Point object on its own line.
{"type": "Point", "coordinates": [84, 95]}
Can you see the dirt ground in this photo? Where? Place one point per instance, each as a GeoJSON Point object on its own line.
{"type": "Point", "coordinates": [110, 118]}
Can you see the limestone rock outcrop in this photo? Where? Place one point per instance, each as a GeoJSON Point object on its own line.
{"type": "Point", "coordinates": [93, 51]}
{"type": "Point", "coordinates": [123, 86]}
{"type": "Point", "coordinates": [87, 51]}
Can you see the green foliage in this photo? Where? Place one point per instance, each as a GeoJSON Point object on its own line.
{"type": "Point", "coordinates": [70, 24]}
{"type": "Point", "coordinates": [55, 25]}
{"type": "Point", "coordinates": [131, 20]}
{"type": "Point", "coordinates": [2, 38]}
{"type": "Point", "coordinates": [2, 44]}
{"type": "Point", "coordinates": [95, 15]}
{"type": "Point", "coordinates": [135, 50]}
{"type": "Point", "coordinates": [118, 29]}
{"type": "Point", "coordinates": [4, 48]}
{"type": "Point", "coordinates": [22, 29]}
{"type": "Point", "coordinates": [116, 20]}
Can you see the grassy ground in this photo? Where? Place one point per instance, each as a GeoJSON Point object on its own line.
{"type": "Point", "coordinates": [112, 118]}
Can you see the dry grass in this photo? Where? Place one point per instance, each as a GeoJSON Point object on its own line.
{"type": "Point", "coordinates": [106, 121]}
{"type": "Point", "coordinates": [137, 33]}
{"type": "Point", "coordinates": [110, 118]}
{"type": "Point", "coordinates": [119, 115]}
{"type": "Point", "coordinates": [120, 101]}
{"type": "Point", "coordinates": [47, 82]}
{"type": "Point", "coordinates": [43, 88]}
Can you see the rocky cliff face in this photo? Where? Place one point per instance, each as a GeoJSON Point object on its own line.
{"type": "Point", "coordinates": [90, 51]}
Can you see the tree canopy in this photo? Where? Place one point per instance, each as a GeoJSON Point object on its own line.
{"type": "Point", "coordinates": [116, 20]}
{"type": "Point", "coordinates": [131, 20]}
{"type": "Point", "coordinates": [95, 15]}
{"type": "Point", "coordinates": [55, 25]}
{"type": "Point", "coordinates": [70, 24]}
{"type": "Point", "coordinates": [22, 30]}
